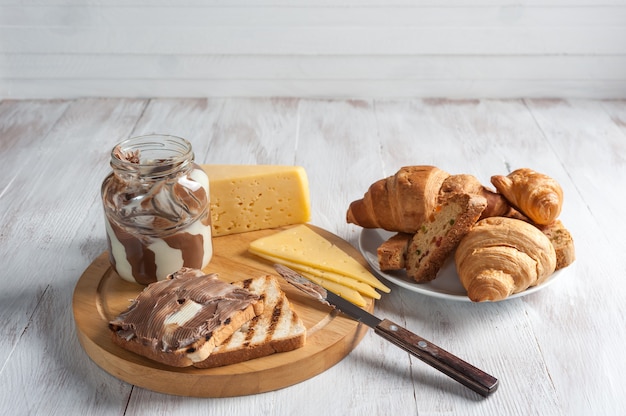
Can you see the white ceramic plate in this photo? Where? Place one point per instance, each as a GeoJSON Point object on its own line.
{"type": "Point", "coordinates": [445, 286]}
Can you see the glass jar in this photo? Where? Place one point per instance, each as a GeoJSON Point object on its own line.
{"type": "Point", "coordinates": [156, 205]}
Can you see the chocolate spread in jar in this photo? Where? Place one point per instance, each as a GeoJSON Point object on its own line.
{"type": "Point", "coordinates": [156, 210]}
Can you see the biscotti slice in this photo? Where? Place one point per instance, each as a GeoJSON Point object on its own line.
{"type": "Point", "coordinates": [391, 253]}
{"type": "Point", "coordinates": [277, 329]}
{"type": "Point", "coordinates": [562, 242]}
{"type": "Point", "coordinates": [180, 320]}
{"type": "Point", "coordinates": [440, 234]}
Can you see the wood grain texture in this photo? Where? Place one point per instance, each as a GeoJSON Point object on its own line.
{"type": "Point", "coordinates": [100, 295]}
{"type": "Point", "coordinates": [476, 137]}
{"type": "Point", "coordinates": [556, 352]}
{"type": "Point", "coordinates": [315, 49]}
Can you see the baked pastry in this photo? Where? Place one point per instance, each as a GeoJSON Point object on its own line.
{"type": "Point", "coordinates": [440, 234]}
{"type": "Point", "coordinates": [502, 256]}
{"type": "Point", "coordinates": [392, 252]}
{"type": "Point", "coordinates": [497, 205]}
{"type": "Point", "coordinates": [403, 201]}
{"type": "Point", "coordinates": [562, 241]}
{"type": "Point", "coordinates": [180, 320]}
{"type": "Point", "coordinates": [277, 329]}
{"type": "Point", "coordinates": [537, 196]}
{"type": "Point", "coordinates": [400, 202]}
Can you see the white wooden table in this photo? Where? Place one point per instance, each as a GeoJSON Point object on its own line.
{"type": "Point", "coordinates": [559, 351]}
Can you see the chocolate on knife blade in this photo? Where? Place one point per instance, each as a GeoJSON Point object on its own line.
{"type": "Point", "coordinates": [438, 358]}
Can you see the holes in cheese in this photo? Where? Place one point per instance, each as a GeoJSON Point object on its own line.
{"type": "Point", "coordinates": [303, 246]}
{"type": "Point", "coordinates": [256, 197]}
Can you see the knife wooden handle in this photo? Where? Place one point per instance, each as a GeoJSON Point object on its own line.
{"type": "Point", "coordinates": [451, 365]}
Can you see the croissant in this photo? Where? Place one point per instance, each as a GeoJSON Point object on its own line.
{"type": "Point", "coordinates": [400, 202]}
{"type": "Point", "coordinates": [537, 196]}
{"type": "Point", "coordinates": [502, 256]}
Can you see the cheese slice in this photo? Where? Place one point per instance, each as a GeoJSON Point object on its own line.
{"type": "Point", "coordinates": [347, 293]}
{"type": "Point", "coordinates": [302, 245]}
{"type": "Point", "coordinates": [361, 287]}
{"type": "Point", "coordinates": [256, 197]}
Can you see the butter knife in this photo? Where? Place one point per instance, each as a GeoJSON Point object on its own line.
{"type": "Point", "coordinates": [449, 364]}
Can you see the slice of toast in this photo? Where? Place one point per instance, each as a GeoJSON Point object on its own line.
{"type": "Point", "coordinates": [180, 320]}
{"type": "Point", "coordinates": [440, 234]}
{"type": "Point", "coordinates": [278, 329]}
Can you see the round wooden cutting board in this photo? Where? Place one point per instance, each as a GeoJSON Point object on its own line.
{"type": "Point", "coordinates": [100, 295]}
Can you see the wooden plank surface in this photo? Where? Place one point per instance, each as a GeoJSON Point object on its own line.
{"type": "Point", "coordinates": [313, 48]}
{"type": "Point", "coordinates": [556, 352]}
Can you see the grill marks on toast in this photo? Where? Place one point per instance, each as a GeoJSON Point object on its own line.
{"type": "Point", "coordinates": [277, 329]}
{"type": "Point", "coordinates": [250, 333]}
{"type": "Point", "coordinates": [277, 313]}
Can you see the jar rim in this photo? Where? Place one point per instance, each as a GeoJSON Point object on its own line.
{"type": "Point", "coordinates": [180, 148]}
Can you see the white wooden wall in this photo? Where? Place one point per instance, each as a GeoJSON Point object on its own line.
{"type": "Point", "coordinates": [313, 48]}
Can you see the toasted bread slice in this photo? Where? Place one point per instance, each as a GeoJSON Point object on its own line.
{"type": "Point", "coordinates": [278, 329]}
{"type": "Point", "coordinates": [180, 320]}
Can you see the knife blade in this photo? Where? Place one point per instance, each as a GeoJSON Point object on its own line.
{"type": "Point", "coordinates": [438, 358]}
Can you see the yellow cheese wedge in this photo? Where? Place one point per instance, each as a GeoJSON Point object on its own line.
{"type": "Point", "coordinates": [256, 197]}
{"type": "Point", "coordinates": [302, 245]}
{"type": "Point", "coordinates": [363, 288]}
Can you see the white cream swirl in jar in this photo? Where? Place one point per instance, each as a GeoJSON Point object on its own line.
{"type": "Point", "coordinates": [156, 205]}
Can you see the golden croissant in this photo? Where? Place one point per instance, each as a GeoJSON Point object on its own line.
{"type": "Point", "coordinates": [400, 202]}
{"type": "Point", "coordinates": [502, 256]}
{"type": "Point", "coordinates": [404, 201]}
{"type": "Point", "coordinates": [537, 196]}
